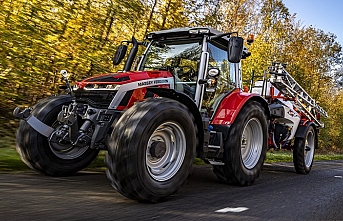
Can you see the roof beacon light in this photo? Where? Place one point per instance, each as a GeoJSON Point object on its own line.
{"type": "Point", "coordinates": [250, 39]}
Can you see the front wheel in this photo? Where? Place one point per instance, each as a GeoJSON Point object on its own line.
{"type": "Point", "coordinates": [54, 159]}
{"type": "Point", "coordinates": [245, 148]}
{"type": "Point", "coordinates": [303, 152]}
{"type": "Point", "coordinates": [151, 150]}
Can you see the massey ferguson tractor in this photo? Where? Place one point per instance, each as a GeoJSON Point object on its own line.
{"type": "Point", "coordinates": [181, 99]}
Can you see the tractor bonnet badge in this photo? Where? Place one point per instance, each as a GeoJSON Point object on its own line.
{"type": "Point", "coordinates": [145, 83]}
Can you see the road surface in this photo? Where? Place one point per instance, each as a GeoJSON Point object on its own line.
{"type": "Point", "coordinates": [279, 194]}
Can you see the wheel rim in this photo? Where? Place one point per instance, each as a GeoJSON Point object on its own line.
{"type": "Point", "coordinates": [251, 143]}
{"type": "Point", "coordinates": [309, 149]}
{"type": "Point", "coordinates": [66, 150]}
{"type": "Point", "coordinates": [165, 151]}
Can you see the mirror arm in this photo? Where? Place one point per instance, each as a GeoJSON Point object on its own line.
{"type": "Point", "coordinates": [202, 81]}
{"type": "Point", "coordinates": [132, 55]}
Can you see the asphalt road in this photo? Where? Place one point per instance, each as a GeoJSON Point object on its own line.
{"type": "Point", "coordinates": [279, 194]}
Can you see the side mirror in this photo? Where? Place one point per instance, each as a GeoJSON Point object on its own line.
{"type": "Point", "coordinates": [235, 49]}
{"type": "Point", "coordinates": [120, 54]}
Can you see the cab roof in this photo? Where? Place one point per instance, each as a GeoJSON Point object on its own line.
{"type": "Point", "coordinates": [184, 32]}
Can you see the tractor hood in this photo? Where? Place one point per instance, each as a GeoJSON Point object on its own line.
{"type": "Point", "coordinates": [120, 78]}
{"type": "Point", "coordinates": [119, 90]}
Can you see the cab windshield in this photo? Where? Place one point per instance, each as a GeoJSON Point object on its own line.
{"type": "Point", "coordinates": [181, 59]}
{"type": "Point", "coordinates": [171, 55]}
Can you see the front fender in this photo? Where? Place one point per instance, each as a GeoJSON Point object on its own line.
{"type": "Point", "coordinates": [231, 105]}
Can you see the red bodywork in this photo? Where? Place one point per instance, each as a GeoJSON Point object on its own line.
{"type": "Point", "coordinates": [226, 113]}
{"type": "Point", "coordinates": [123, 78]}
{"type": "Point", "coordinates": [102, 82]}
{"type": "Point", "coordinates": [230, 107]}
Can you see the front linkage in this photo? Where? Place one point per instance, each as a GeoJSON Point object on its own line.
{"type": "Point", "coordinates": [95, 123]}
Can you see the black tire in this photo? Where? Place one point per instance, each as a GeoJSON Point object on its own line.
{"type": "Point", "coordinates": [35, 150]}
{"type": "Point", "coordinates": [144, 138]}
{"type": "Point", "coordinates": [242, 164]}
{"type": "Point", "coordinates": [303, 152]}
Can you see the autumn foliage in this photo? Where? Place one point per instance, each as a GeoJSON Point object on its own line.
{"type": "Point", "coordinates": [39, 38]}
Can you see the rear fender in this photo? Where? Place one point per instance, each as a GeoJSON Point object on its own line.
{"type": "Point", "coordinates": [189, 103]}
{"type": "Point", "coordinates": [231, 105]}
{"type": "Point", "coordinates": [302, 129]}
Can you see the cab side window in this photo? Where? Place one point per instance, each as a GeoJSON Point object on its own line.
{"type": "Point", "coordinates": [225, 82]}
{"type": "Point", "coordinates": [219, 59]}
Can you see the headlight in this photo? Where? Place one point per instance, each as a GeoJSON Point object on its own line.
{"type": "Point", "coordinates": [199, 31]}
{"type": "Point", "coordinates": [112, 87]}
{"type": "Point", "coordinates": [213, 72]}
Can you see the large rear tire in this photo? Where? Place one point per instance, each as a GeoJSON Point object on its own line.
{"type": "Point", "coordinates": [245, 148]}
{"type": "Point", "coordinates": [44, 157]}
{"type": "Point", "coordinates": [151, 150]}
{"type": "Point", "coordinates": [303, 152]}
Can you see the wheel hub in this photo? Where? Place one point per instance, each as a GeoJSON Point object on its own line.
{"type": "Point", "coordinates": [251, 143]}
{"type": "Point", "coordinates": [158, 149]}
{"type": "Point", "coordinates": [165, 151]}
{"type": "Point", "coordinates": [309, 149]}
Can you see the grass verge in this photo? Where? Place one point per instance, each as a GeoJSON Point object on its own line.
{"type": "Point", "coordinates": [11, 162]}
{"type": "Point", "coordinates": [287, 156]}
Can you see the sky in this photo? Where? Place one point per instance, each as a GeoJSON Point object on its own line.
{"type": "Point", "coordinates": [326, 15]}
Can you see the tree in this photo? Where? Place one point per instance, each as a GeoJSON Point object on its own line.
{"type": "Point", "coordinates": [39, 38]}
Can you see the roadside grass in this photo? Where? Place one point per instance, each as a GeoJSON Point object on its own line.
{"type": "Point", "coordinates": [287, 156]}
{"type": "Point", "coordinates": [10, 160]}
{"type": "Point", "coordinates": [7, 142]}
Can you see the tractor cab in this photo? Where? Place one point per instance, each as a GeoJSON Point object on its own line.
{"type": "Point", "coordinates": [204, 62]}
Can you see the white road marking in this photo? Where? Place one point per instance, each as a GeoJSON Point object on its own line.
{"type": "Point", "coordinates": [233, 210]}
{"type": "Point", "coordinates": [338, 177]}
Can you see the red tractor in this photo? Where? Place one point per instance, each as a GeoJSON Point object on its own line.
{"type": "Point", "coordinates": [181, 99]}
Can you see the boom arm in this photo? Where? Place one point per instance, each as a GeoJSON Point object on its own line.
{"type": "Point", "coordinates": [283, 81]}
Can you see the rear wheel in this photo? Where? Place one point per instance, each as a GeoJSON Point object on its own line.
{"type": "Point", "coordinates": [303, 152]}
{"type": "Point", "coordinates": [55, 159]}
{"type": "Point", "coordinates": [246, 147]}
{"type": "Point", "coordinates": [151, 150]}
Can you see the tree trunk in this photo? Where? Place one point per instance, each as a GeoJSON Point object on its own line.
{"type": "Point", "coordinates": [150, 18]}
{"type": "Point", "coordinates": [165, 17]}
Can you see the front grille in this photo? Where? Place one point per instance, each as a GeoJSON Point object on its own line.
{"type": "Point", "coordinates": [96, 99]}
